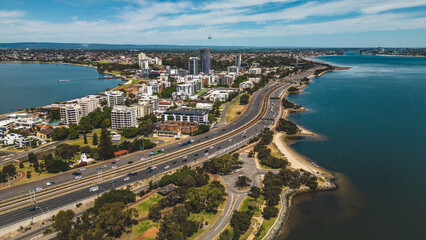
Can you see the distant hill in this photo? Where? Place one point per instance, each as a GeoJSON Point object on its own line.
{"type": "Point", "coordinates": [49, 45]}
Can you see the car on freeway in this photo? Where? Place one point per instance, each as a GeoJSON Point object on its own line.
{"type": "Point", "coordinates": [196, 154]}
{"type": "Point", "coordinates": [113, 167]}
{"type": "Point", "coordinates": [218, 147]}
{"type": "Point", "coordinates": [129, 162]}
{"type": "Point", "coordinates": [174, 162]}
{"type": "Point", "coordinates": [184, 160]}
{"type": "Point", "coordinates": [49, 183]}
{"type": "Point", "coordinates": [113, 162]}
{"type": "Point", "coordinates": [184, 157]}
{"type": "Point", "coordinates": [142, 159]}
{"type": "Point", "coordinates": [211, 147]}
{"type": "Point", "coordinates": [206, 150]}
{"type": "Point", "coordinates": [77, 177]}
{"type": "Point", "coordinates": [134, 174]}
{"type": "Point", "coordinates": [130, 174]}
{"type": "Point", "coordinates": [82, 169]}
{"type": "Point", "coordinates": [141, 154]}
{"type": "Point", "coordinates": [39, 189]}
{"type": "Point", "coordinates": [206, 154]}
{"type": "Point", "coordinates": [155, 167]}
{"type": "Point", "coordinates": [148, 170]}
{"type": "Point", "coordinates": [166, 167]}
{"type": "Point", "coordinates": [33, 209]}
{"type": "Point", "coordinates": [76, 173]}
{"type": "Point", "coordinates": [94, 188]}
{"type": "Point", "coordinates": [117, 160]}
{"type": "Point", "coordinates": [126, 178]}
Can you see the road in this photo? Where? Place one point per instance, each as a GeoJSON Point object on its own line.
{"type": "Point", "coordinates": [67, 190]}
{"type": "Point", "coordinates": [16, 156]}
{"type": "Point", "coordinates": [222, 121]}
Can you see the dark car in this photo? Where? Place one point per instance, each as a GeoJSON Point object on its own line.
{"type": "Point", "coordinates": [130, 174]}
{"type": "Point", "coordinates": [113, 162]}
{"type": "Point", "coordinates": [34, 208]}
{"type": "Point", "coordinates": [129, 162]}
{"type": "Point", "coordinates": [134, 174]}
{"type": "Point", "coordinates": [184, 160]}
{"type": "Point", "coordinates": [207, 136]}
{"type": "Point", "coordinates": [223, 129]}
{"type": "Point", "coordinates": [206, 150]}
{"type": "Point", "coordinates": [174, 162]}
{"type": "Point", "coordinates": [218, 147]}
{"type": "Point", "coordinates": [196, 154]}
{"type": "Point", "coordinates": [149, 170]}
{"type": "Point", "coordinates": [76, 173]}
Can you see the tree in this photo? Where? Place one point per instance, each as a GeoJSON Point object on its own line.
{"type": "Point", "coordinates": [154, 212]}
{"type": "Point", "coordinates": [28, 174]}
{"type": "Point", "coordinates": [240, 222]}
{"type": "Point", "coordinates": [85, 138]}
{"type": "Point", "coordinates": [287, 126]}
{"type": "Point", "coordinates": [73, 134]}
{"type": "Point", "coordinates": [21, 165]}
{"type": "Point", "coordinates": [167, 92]}
{"type": "Point", "coordinates": [36, 166]}
{"type": "Point", "coordinates": [63, 223]}
{"type": "Point", "coordinates": [114, 218]}
{"type": "Point", "coordinates": [130, 132]}
{"type": "Point", "coordinates": [221, 165]}
{"type": "Point", "coordinates": [54, 115]}
{"type": "Point", "coordinates": [106, 149]}
{"type": "Point", "coordinates": [244, 99]}
{"type": "Point", "coordinates": [95, 139]}
{"type": "Point", "coordinates": [225, 235]}
{"type": "Point", "coordinates": [66, 151]}
{"type": "Point", "coordinates": [59, 134]}
{"type": "Point", "coordinates": [121, 195]}
{"type": "Point", "coordinates": [32, 157]}
{"type": "Point", "coordinates": [254, 192]}
{"type": "Point", "coordinates": [270, 212]}
{"type": "Point", "coordinates": [243, 181]}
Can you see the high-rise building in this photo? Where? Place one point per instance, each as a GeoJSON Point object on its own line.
{"type": "Point", "coordinates": [71, 113]}
{"type": "Point", "coordinates": [88, 104]}
{"type": "Point", "coordinates": [205, 60]}
{"type": "Point", "coordinates": [193, 65]}
{"type": "Point", "coordinates": [142, 109]}
{"type": "Point", "coordinates": [123, 117]}
{"type": "Point", "coordinates": [238, 60]}
{"type": "Point", "coordinates": [114, 98]}
{"type": "Point", "coordinates": [141, 57]}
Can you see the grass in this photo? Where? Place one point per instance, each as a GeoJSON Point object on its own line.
{"type": "Point", "coordinates": [143, 207]}
{"type": "Point", "coordinates": [80, 141]}
{"type": "Point", "coordinates": [233, 110]}
{"type": "Point", "coordinates": [34, 175]}
{"type": "Point", "coordinates": [139, 229]}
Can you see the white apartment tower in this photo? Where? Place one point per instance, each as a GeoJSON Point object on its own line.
{"type": "Point", "coordinates": [88, 104]}
{"type": "Point", "coordinates": [114, 98]}
{"type": "Point", "coordinates": [123, 117]}
{"type": "Point", "coordinates": [71, 113]}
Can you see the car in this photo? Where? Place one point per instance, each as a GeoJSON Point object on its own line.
{"type": "Point", "coordinates": [184, 160]}
{"type": "Point", "coordinates": [113, 167]}
{"type": "Point", "coordinates": [184, 157]}
{"type": "Point", "coordinates": [223, 129]}
{"type": "Point", "coordinates": [130, 174]}
{"type": "Point", "coordinates": [77, 177]}
{"type": "Point", "coordinates": [149, 170]}
{"type": "Point", "coordinates": [76, 173]}
{"type": "Point", "coordinates": [206, 150]}
{"type": "Point", "coordinates": [39, 189]}
{"type": "Point", "coordinates": [166, 167]}
{"type": "Point", "coordinates": [218, 147]}
{"type": "Point", "coordinates": [117, 160]}
{"type": "Point", "coordinates": [113, 162]}
{"type": "Point", "coordinates": [129, 162]}
{"type": "Point", "coordinates": [196, 154]}
{"type": "Point", "coordinates": [142, 159]}
{"type": "Point", "coordinates": [82, 169]}
{"type": "Point", "coordinates": [134, 174]}
{"type": "Point", "coordinates": [211, 147]}
{"type": "Point", "coordinates": [49, 183]}
{"type": "Point", "coordinates": [207, 137]}
{"type": "Point", "coordinates": [141, 154]}
{"type": "Point", "coordinates": [126, 178]}
{"type": "Point", "coordinates": [174, 162]}
{"type": "Point", "coordinates": [244, 136]}
{"type": "Point", "coordinates": [155, 167]}
{"type": "Point", "coordinates": [33, 209]}
{"type": "Point", "coordinates": [206, 154]}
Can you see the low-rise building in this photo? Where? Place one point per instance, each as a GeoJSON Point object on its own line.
{"type": "Point", "coordinates": [45, 134]}
{"type": "Point", "coordinates": [142, 109]}
{"type": "Point", "coordinates": [186, 116]}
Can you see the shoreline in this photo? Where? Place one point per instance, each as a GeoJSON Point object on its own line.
{"type": "Point", "coordinates": [298, 161]}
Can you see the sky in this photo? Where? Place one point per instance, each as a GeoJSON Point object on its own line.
{"type": "Point", "coordinates": [281, 23]}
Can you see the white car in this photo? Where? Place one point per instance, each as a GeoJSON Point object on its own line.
{"type": "Point", "coordinates": [117, 160]}
{"type": "Point", "coordinates": [154, 167]}
{"type": "Point", "coordinates": [113, 167]}
{"type": "Point", "coordinates": [211, 147]}
{"type": "Point", "coordinates": [126, 178]}
{"type": "Point", "coordinates": [184, 157]}
{"type": "Point", "coordinates": [39, 188]}
{"type": "Point", "coordinates": [142, 159]}
{"type": "Point", "coordinates": [77, 177]}
{"type": "Point", "coordinates": [49, 183]}
{"type": "Point", "coordinates": [82, 169]}
{"type": "Point", "coordinates": [166, 167]}
{"type": "Point", "coordinates": [206, 154]}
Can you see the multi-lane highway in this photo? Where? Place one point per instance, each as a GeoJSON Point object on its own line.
{"type": "Point", "coordinates": [262, 111]}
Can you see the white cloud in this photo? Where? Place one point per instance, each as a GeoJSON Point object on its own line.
{"type": "Point", "coordinates": [11, 14]}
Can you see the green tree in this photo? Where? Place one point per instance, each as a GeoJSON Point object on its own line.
{"type": "Point", "coordinates": [63, 223]}
{"type": "Point", "coordinates": [114, 218]}
{"type": "Point", "coordinates": [59, 134]}
{"type": "Point", "coordinates": [106, 149]}
{"type": "Point", "coordinates": [254, 192]}
{"type": "Point", "coordinates": [225, 235]}
{"type": "Point", "coordinates": [28, 174]}
{"type": "Point", "coordinates": [95, 139]}
{"type": "Point", "coordinates": [240, 222]}
{"type": "Point", "coordinates": [130, 132]}
{"type": "Point", "coordinates": [32, 157]}
{"type": "Point", "coordinates": [244, 99]}
{"type": "Point", "coordinates": [121, 195]}
{"type": "Point", "coordinates": [85, 138]}
{"type": "Point", "coordinates": [54, 115]}
{"type": "Point", "coordinates": [270, 212]}
{"type": "Point", "coordinates": [154, 212]}
{"type": "Point", "coordinates": [73, 134]}
{"type": "Point", "coordinates": [243, 181]}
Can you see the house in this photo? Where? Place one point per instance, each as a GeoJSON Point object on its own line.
{"type": "Point", "coordinates": [167, 189]}
{"type": "Point", "coordinates": [45, 134]}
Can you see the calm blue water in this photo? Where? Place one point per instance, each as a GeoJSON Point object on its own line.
{"type": "Point", "coordinates": [26, 85]}
{"type": "Point", "coordinates": [374, 119]}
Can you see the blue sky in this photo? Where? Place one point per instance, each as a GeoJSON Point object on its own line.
{"type": "Point", "coordinates": [324, 23]}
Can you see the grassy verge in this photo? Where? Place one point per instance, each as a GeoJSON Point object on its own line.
{"type": "Point", "coordinates": [34, 175]}
{"type": "Point", "coordinates": [234, 111]}
{"type": "Point", "coordinates": [80, 141]}
{"type": "Point", "coordinates": [143, 207]}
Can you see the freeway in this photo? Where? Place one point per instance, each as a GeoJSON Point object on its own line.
{"type": "Point", "coordinates": [260, 113]}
